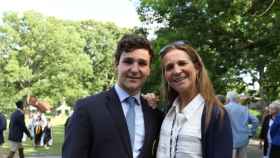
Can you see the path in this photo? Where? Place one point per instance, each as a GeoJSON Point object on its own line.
{"type": "Point", "coordinates": [253, 152]}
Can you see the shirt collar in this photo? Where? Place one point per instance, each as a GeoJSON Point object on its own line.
{"type": "Point", "coordinates": [122, 94]}
{"type": "Point", "coordinates": [20, 110]}
{"type": "Point", "coordinates": [191, 107]}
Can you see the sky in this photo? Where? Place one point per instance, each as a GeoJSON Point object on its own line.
{"type": "Point", "coordinates": [121, 12]}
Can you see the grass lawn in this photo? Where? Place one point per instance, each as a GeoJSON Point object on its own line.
{"type": "Point", "coordinates": [55, 149]}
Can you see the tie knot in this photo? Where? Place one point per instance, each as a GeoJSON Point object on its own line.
{"type": "Point", "coordinates": [131, 101]}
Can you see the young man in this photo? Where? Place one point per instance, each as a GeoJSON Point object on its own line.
{"type": "Point", "coordinates": [16, 129]}
{"type": "Point", "coordinates": [117, 123]}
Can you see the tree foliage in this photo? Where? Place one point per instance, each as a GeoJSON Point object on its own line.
{"type": "Point", "coordinates": [234, 37]}
{"type": "Point", "coordinates": [101, 40]}
{"type": "Point", "coordinates": [52, 58]}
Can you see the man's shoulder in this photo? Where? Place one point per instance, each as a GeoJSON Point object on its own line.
{"type": "Point", "coordinates": [94, 97]}
{"type": "Point", "coordinates": [17, 113]}
{"type": "Point", "coordinates": [93, 100]}
{"type": "Point", "coordinates": [234, 106]}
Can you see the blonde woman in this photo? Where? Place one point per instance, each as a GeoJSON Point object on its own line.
{"type": "Point", "coordinates": [196, 125]}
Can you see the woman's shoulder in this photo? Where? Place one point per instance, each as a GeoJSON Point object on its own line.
{"type": "Point", "coordinates": [219, 115]}
{"type": "Point", "coordinates": [217, 111]}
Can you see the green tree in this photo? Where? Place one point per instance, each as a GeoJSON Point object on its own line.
{"type": "Point", "coordinates": [54, 59]}
{"type": "Point", "coordinates": [43, 57]}
{"type": "Point", "coordinates": [101, 40]}
{"type": "Point", "coordinates": [233, 38]}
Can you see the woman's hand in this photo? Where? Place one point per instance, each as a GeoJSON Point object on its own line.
{"type": "Point", "coordinates": [152, 99]}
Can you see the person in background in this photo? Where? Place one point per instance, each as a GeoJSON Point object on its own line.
{"type": "Point", "coordinates": [38, 129]}
{"type": "Point", "coordinates": [265, 138]}
{"type": "Point", "coordinates": [221, 98]}
{"type": "Point", "coordinates": [47, 134]}
{"type": "Point", "coordinates": [3, 126]}
{"type": "Point", "coordinates": [31, 126]}
{"type": "Point", "coordinates": [196, 125]}
{"type": "Point", "coordinates": [240, 120]}
{"type": "Point", "coordinates": [117, 123]}
{"type": "Point", "coordinates": [275, 131]}
{"type": "Point", "coordinates": [16, 129]}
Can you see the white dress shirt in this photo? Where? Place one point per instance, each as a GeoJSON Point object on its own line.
{"type": "Point", "coordinates": [139, 119]}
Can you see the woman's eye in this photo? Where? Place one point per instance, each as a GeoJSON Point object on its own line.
{"type": "Point", "coordinates": [168, 67]}
{"type": "Point", "coordinates": [182, 63]}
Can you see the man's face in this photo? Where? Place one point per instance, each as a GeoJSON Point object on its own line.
{"type": "Point", "coordinates": [133, 69]}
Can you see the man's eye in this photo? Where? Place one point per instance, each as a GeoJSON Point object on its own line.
{"type": "Point", "coordinates": [128, 61]}
{"type": "Point", "coordinates": [142, 63]}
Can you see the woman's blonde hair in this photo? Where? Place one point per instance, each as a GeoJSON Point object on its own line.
{"type": "Point", "coordinates": [203, 83]}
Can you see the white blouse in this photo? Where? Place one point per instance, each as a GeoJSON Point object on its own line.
{"type": "Point", "coordinates": [180, 135]}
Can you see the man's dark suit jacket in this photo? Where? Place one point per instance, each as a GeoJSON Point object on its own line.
{"type": "Point", "coordinates": [17, 127]}
{"type": "Point", "coordinates": [97, 129]}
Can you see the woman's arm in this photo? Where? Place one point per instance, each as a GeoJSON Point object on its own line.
{"type": "Point", "coordinates": [223, 137]}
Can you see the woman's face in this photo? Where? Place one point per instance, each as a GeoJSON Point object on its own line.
{"type": "Point", "coordinates": [179, 71]}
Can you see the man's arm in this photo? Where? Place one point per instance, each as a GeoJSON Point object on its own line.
{"type": "Point", "coordinates": [3, 122]}
{"type": "Point", "coordinates": [223, 137]}
{"type": "Point", "coordinates": [254, 123]}
{"type": "Point", "coordinates": [22, 125]}
{"type": "Point", "coordinates": [78, 135]}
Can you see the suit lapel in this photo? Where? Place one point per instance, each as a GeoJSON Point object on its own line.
{"type": "Point", "coordinates": [147, 125]}
{"type": "Point", "coordinates": [114, 106]}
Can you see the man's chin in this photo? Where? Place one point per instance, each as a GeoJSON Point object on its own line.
{"type": "Point", "coordinates": [133, 89]}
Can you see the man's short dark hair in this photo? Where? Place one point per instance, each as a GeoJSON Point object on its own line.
{"type": "Point", "coordinates": [131, 42]}
{"type": "Point", "coordinates": [19, 104]}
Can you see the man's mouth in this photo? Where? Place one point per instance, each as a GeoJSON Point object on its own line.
{"type": "Point", "coordinates": [133, 77]}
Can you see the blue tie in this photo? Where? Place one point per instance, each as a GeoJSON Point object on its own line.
{"type": "Point", "coordinates": [130, 118]}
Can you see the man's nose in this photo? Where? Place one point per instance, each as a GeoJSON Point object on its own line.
{"type": "Point", "coordinates": [135, 67]}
